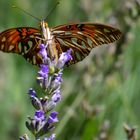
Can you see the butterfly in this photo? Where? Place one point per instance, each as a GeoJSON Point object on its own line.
{"type": "Point", "coordinates": [80, 37]}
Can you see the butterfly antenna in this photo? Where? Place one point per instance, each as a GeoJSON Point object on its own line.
{"type": "Point", "coordinates": [52, 10]}
{"type": "Point", "coordinates": [13, 6]}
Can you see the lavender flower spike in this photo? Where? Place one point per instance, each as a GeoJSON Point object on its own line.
{"type": "Point", "coordinates": [50, 79]}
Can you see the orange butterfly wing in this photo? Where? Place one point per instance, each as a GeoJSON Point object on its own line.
{"type": "Point", "coordinates": [23, 41]}
{"type": "Point", "coordinates": [81, 38]}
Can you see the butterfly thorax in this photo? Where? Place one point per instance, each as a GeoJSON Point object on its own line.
{"type": "Point", "coordinates": [45, 31]}
{"type": "Point", "coordinates": [48, 39]}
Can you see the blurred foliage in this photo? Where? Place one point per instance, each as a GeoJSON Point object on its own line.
{"type": "Point", "coordinates": [100, 94]}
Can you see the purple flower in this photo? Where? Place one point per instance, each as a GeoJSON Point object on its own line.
{"type": "Point", "coordinates": [32, 92]}
{"type": "Point", "coordinates": [44, 69]}
{"type": "Point", "coordinates": [64, 58]}
{"type": "Point", "coordinates": [49, 106]}
{"type": "Point", "coordinates": [52, 137]}
{"type": "Point", "coordinates": [59, 77]}
{"type": "Point", "coordinates": [39, 115]}
{"type": "Point", "coordinates": [56, 81]}
{"type": "Point", "coordinates": [42, 78]}
{"type": "Point", "coordinates": [36, 102]}
{"type": "Point", "coordinates": [56, 96]}
{"type": "Point", "coordinates": [53, 117]}
{"type": "Point", "coordinates": [43, 51]}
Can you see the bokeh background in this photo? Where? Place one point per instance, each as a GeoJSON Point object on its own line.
{"type": "Point", "coordinates": [99, 94]}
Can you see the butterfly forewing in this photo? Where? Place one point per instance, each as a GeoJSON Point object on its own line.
{"type": "Point", "coordinates": [83, 37]}
{"type": "Point", "coordinates": [23, 41]}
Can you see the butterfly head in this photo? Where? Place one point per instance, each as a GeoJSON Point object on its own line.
{"type": "Point", "coordinates": [43, 24]}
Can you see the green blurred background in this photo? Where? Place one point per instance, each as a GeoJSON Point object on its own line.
{"type": "Point", "coordinates": [99, 94]}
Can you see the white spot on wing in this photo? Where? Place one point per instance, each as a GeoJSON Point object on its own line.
{"type": "Point", "coordinates": [34, 59]}
{"type": "Point", "coordinates": [11, 47]}
{"type": "Point", "coordinates": [3, 39]}
{"type": "Point", "coordinates": [2, 47]}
